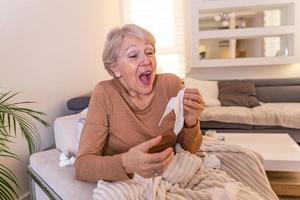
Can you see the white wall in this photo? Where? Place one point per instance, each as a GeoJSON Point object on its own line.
{"type": "Point", "coordinates": [51, 51]}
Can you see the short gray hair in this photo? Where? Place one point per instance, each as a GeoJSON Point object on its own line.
{"type": "Point", "coordinates": [115, 38]}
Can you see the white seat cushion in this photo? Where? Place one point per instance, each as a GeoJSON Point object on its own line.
{"type": "Point", "coordinates": [61, 179]}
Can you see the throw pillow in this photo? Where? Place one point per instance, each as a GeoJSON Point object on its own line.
{"type": "Point", "coordinates": [208, 90]}
{"type": "Point", "coordinates": [237, 93]}
{"type": "Point", "coordinates": [66, 132]}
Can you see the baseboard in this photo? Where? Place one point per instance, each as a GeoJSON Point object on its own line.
{"type": "Point", "coordinates": [25, 196]}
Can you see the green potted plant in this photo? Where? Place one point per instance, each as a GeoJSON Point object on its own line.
{"type": "Point", "coordinates": [13, 117]}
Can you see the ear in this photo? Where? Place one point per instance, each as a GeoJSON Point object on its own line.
{"type": "Point", "coordinates": [116, 71]}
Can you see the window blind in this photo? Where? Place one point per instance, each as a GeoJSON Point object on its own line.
{"type": "Point", "coordinates": [165, 20]}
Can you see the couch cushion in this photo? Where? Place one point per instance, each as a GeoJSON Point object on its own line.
{"type": "Point", "coordinates": [60, 179]}
{"type": "Point", "coordinates": [276, 82]}
{"type": "Point", "coordinates": [268, 114]}
{"type": "Point", "coordinates": [237, 93]}
{"type": "Point", "coordinates": [208, 90]}
{"type": "Point", "coordinates": [79, 103]}
{"type": "Point", "coordinates": [278, 93]}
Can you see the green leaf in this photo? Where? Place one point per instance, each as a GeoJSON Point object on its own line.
{"type": "Point", "coordinates": [3, 99]}
{"type": "Point", "coordinates": [13, 117]}
{"type": "Point", "coordinates": [8, 183]}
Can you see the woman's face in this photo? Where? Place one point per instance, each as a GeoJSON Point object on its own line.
{"type": "Point", "coordinates": [136, 66]}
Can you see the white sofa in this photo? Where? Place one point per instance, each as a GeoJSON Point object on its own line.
{"type": "Point", "coordinates": [279, 110]}
{"type": "Point", "coordinates": [49, 180]}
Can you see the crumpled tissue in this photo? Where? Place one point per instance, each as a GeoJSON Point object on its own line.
{"type": "Point", "coordinates": [176, 104]}
{"type": "Point", "coordinates": [65, 160]}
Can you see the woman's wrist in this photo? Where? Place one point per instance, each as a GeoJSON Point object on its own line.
{"type": "Point", "coordinates": [126, 169]}
{"type": "Point", "coordinates": [124, 162]}
{"type": "Point", "coordinates": [191, 126]}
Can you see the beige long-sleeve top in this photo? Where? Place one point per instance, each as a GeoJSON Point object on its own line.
{"type": "Point", "coordinates": [114, 124]}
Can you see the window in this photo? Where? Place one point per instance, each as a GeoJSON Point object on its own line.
{"type": "Point", "coordinates": [165, 20]}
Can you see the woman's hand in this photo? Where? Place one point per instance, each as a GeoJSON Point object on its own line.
{"type": "Point", "coordinates": [193, 106]}
{"type": "Point", "coordinates": [137, 160]}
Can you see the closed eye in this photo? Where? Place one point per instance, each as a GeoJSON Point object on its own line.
{"type": "Point", "coordinates": [132, 56]}
{"type": "Point", "coordinates": [149, 53]}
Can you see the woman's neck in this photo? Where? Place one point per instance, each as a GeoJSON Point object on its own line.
{"type": "Point", "coordinates": [140, 100]}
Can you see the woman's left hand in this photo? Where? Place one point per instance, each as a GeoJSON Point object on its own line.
{"type": "Point", "coordinates": [193, 106]}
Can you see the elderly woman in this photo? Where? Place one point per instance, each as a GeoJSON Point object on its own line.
{"type": "Point", "coordinates": [121, 135]}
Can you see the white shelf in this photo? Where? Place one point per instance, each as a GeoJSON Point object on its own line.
{"type": "Point", "coordinates": [245, 61]}
{"type": "Point", "coordinates": [246, 32]}
{"type": "Point", "coordinates": [201, 5]}
{"type": "Point", "coordinates": [288, 33]}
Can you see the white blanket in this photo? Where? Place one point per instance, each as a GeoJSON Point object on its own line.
{"type": "Point", "coordinates": [239, 176]}
{"type": "Point", "coordinates": [268, 114]}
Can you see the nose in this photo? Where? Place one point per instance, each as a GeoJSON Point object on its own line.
{"type": "Point", "coordinates": [144, 60]}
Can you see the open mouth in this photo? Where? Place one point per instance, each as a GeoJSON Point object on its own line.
{"type": "Point", "coordinates": [145, 77]}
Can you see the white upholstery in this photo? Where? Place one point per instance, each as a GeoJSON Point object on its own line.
{"type": "Point", "coordinates": [268, 114]}
{"type": "Point", "coordinates": [208, 89]}
{"type": "Point", "coordinates": [66, 132]}
{"type": "Point", "coordinates": [60, 179]}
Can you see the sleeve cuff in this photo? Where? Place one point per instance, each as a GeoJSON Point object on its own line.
{"type": "Point", "coordinates": [120, 168]}
{"type": "Point", "coordinates": [186, 127]}
{"type": "Point", "coordinates": [191, 138]}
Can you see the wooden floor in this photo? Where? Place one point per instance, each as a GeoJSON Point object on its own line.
{"type": "Point", "coordinates": [285, 184]}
